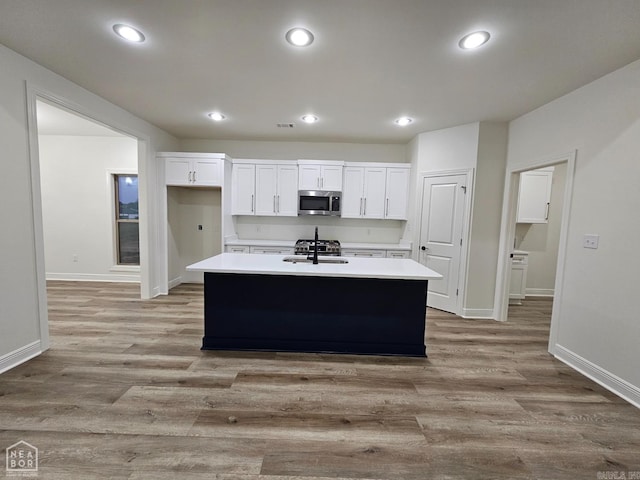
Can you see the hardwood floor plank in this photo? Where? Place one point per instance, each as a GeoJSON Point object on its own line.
{"type": "Point", "coordinates": [125, 392]}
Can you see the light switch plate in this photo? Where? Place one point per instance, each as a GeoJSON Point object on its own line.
{"type": "Point", "coordinates": [590, 240]}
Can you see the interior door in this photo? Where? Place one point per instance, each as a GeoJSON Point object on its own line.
{"type": "Point", "coordinates": [443, 205]}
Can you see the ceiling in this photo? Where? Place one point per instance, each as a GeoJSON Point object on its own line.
{"type": "Point", "coordinates": [372, 60]}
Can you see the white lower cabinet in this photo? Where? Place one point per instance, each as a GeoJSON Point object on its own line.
{"type": "Point", "coordinates": [237, 249]}
{"type": "Point", "coordinates": [518, 284]}
{"type": "Point", "coordinates": [272, 250]}
{"type": "Point", "coordinates": [398, 254]}
{"type": "Point", "coordinates": [361, 252]}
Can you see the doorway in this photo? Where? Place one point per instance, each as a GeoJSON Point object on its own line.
{"type": "Point", "coordinates": [35, 95]}
{"type": "Point", "coordinates": [444, 213]}
{"type": "Point", "coordinates": [511, 236]}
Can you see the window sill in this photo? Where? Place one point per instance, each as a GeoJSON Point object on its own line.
{"type": "Point", "coordinates": [125, 268]}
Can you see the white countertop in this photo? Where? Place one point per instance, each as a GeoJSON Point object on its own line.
{"type": "Point", "coordinates": [244, 263]}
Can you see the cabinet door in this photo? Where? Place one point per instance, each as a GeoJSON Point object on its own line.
{"type": "Point", "coordinates": [243, 178]}
{"type": "Point", "coordinates": [398, 254]}
{"type": "Point", "coordinates": [206, 173]}
{"type": "Point", "coordinates": [287, 195]}
{"type": "Point", "coordinates": [374, 192]}
{"type": "Point", "coordinates": [369, 253]}
{"type": "Point", "coordinates": [177, 171]}
{"type": "Point", "coordinates": [352, 192]}
{"type": "Point", "coordinates": [309, 177]}
{"type": "Point", "coordinates": [237, 249]}
{"type": "Point", "coordinates": [331, 178]}
{"type": "Point", "coordinates": [272, 250]}
{"type": "Point", "coordinates": [534, 196]}
{"type": "Point", "coordinates": [266, 187]}
{"type": "Point", "coordinates": [397, 193]}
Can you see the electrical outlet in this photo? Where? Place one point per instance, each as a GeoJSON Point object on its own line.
{"type": "Point", "coordinates": [199, 227]}
{"type": "Point", "coordinates": [590, 240]}
{"type": "Point", "coordinates": [75, 257]}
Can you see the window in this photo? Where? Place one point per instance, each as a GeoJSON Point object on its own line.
{"type": "Point", "coordinates": [126, 218]}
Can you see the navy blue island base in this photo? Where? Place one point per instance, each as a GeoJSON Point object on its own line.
{"type": "Point", "coordinates": [314, 314]}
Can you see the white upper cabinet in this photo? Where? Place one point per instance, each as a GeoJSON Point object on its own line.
{"type": "Point", "coordinates": [374, 191]}
{"type": "Point", "coordinates": [397, 193]}
{"type": "Point", "coordinates": [534, 196]}
{"type": "Point", "coordinates": [265, 189]}
{"type": "Point", "coordinates": [287, 201]}
{"type": "Point", "coordinates": [320, 175]}
{"type": "Point", "coordinates": [193, 170]}
{"type": "Point", "coordinates": [243, 189]}
{"type": "Point", "coordinates": [352, 193]}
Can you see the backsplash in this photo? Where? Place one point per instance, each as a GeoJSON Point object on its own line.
{"type": "Point", "coordinates": [342, 229]}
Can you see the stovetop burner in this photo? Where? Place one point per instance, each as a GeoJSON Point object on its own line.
{"type": "Point", "coordinates": [325, 247]}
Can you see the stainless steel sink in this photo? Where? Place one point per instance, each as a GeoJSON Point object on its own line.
{"type": "Point", "coordinates": [303, 259]}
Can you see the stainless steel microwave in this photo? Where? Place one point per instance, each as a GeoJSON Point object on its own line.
{"type": "Point", "coordinates": [318, 202]}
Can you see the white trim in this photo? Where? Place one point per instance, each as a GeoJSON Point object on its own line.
{"type": "Point", "coordinates": [93, 277]}
{"type": "Point", "coordinates": [21, 355]}
{"type": "Point", "coordinates": [539, 292]}
{"type": "Point", "coordinates": [466, 225]}
{"type": "Point", "coordinates": [477, 313]}
{"type": "Point", "coordinates": [608, 380]}
{"type": "Point", "coordinates": [125, 268]}
{"type": "Point", "coordinates": [175, 282]}
{"type": "Point", "coordinates": [508, 230]}
{"type": "Point", "coordinates": [145, 159]}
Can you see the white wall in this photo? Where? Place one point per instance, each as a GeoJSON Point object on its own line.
{"type": "Point", "coordinates": [349, 152]}
{"type": "Point", "coordinates": [78, 204]}
{"type": "Point", "coordinates": [186, 209]}
{"type": "Point", "coordinates": [292, 228]}
{"type": "Point", "coordinates": [23, 316]}
{"type": "Point", "coordinates": [541, 240]}
{"type": "Point", "coordinates": [598, 328]}
{"type": "Point", "coordinates": [485, 220]}
{"type": "Point", "coordinates": [482, 147]}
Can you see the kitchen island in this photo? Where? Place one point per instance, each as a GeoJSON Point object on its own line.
{"type": "Point", "coordinates": [371, 306]}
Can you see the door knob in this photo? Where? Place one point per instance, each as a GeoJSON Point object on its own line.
{"type": "Point", "coordinates": [423, 248]}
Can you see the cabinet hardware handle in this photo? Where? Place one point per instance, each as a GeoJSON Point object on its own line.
{"type": "Point", "coordinates": [360, 211]}
{"type": "Point", "coordinates": [546, 215]}
{"type": "Point", "coordinates": [189, 177]}
{"type": "Point", "coordinates": [365, 207]}
{"type": "Point", "coordinates": [251, 203]}
{"type": "Point", "coordinates": [274, 204]}
{"type": "Point", "coordinates": [278, 204]}
{"type": "Point", "coordinates": [194, 177]}
{"type": "Point", "coordinates": [386, 212]}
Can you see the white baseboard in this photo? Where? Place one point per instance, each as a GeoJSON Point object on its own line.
{"type": "Point", "coordinates": [539, 292]}
{"type": "Point", "coordinates": [21, 355]}
{"type": "Point", "coordinates": [93, 277]}
{"type": "Point", "coordinates": [174, 282]}
{"type": "Point", "coordinates": [608, 380]}
{"type": "Point", "coordinates": [478, 313]}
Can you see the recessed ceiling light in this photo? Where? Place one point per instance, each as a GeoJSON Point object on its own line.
{"type": "Point", "coordinates": [128, 33]}
{"type": "Point", "coordinates": [216, 116]}
{"type": "Point", "coordinates": [309, 118]}
{"type": "Point", "coordinates": [299, 37]}
{"type": "Point", "coordinates": [403, 121]}
{"type": "Point", "coordinates": [474, 40]}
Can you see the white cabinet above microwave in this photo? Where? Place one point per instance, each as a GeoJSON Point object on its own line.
{"type": "Point", "coordinates": [320, 175]}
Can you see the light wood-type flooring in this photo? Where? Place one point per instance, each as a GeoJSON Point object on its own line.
{"type": "Point", "coordinates": [125, 392]}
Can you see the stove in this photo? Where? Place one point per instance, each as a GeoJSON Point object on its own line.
{"type": "Point", "coordinates": [325, 247]}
